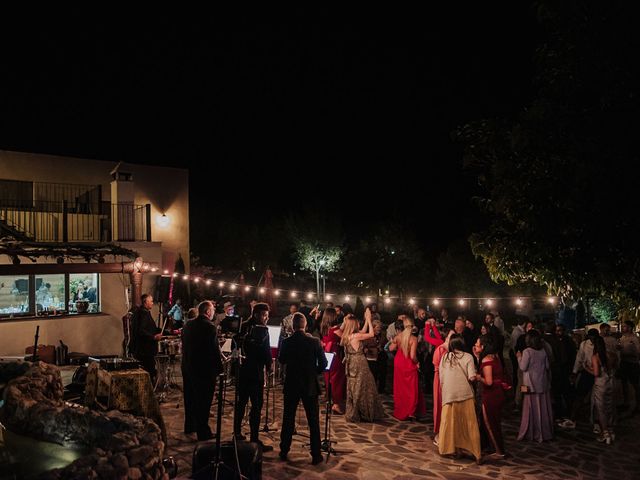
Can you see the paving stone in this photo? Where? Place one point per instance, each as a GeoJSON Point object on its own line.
{"type": "Point", "coordinates": [390, 449]}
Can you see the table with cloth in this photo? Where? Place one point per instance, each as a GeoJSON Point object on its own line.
{"type": "Point", "coordinates": [128, 391]}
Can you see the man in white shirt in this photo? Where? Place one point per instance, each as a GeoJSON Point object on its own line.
{"type": "Point", "coordinates": [585, 380]}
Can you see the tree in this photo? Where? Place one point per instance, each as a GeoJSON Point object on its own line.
{"type": "Point", "coordinates": [460, 273]}
{"type": "Point", "coordinates": [558, 180]}
{"type": "Point", "coordinates": [316, 256]}
{"type": "Point", "coordinates": [389, 256]}
{"type": "Point", "coordinates": [317, 243]}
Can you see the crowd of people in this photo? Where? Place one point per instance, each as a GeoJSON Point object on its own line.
{"type": "Point", "coordinates": [458, 365]}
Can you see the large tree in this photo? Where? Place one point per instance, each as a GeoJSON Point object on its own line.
{"type": "Point", "coordinates": [460, 273]}
{"type": "Point", "coordinates": [559, 180]}
{"type": "Point", "coordinates": [388, 257]}
{"type": "Point", "coordinates": [317, 243]}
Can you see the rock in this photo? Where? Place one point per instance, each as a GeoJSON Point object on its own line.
{"type": "Point", "coordinates": [150, 438]}
{"type": "Point", "coordinates": [124, 446]}
{"type": "Point", "coordinates": [134, 473]}
{"type": "Point", "coordinates": [105, 470]}
{"type": "Point", "coordinates": [120, 461]}
{"type": "Point", "coordinates": [139, 456]}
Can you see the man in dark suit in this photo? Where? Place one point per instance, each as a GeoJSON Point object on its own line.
{"type": "Point", "coordinates": [90, 291]}
{"type": "Point", "coordinates": [257, 353]}
{"type": "Point", "coordinates": [201, 365]}
{"type": "Point", "coordinates": [305, 360]}
{"type": "Point", "coordinates": [145, 336]}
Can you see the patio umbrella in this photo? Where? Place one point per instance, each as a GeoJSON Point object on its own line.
{"type": "Point", "coordinates": [179, 288]}
{"type": "Point", "coordinates": [268, 284]}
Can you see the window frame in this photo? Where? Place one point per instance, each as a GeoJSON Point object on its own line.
{"type": "Point", "coordinates": [31, 313]}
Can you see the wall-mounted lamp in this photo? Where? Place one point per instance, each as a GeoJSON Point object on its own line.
{"type": "Point", "coordinates": [163, 221]}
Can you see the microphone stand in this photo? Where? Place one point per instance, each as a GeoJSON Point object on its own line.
{"type": "Point", "coordinates": [270, 379]}
{"type": "Point", "coordinates": [325, 444]}
{"type": "Point", "coordinates": [217, 463]}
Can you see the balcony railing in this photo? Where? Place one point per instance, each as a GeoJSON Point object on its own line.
{"type": "Point", "coordinates": [76, 222]}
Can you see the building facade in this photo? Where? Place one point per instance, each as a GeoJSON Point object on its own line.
{"type": "Point", "coordinates": [81, 217]}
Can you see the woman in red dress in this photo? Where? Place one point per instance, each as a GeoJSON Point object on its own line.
{"type": "Point", "coordinates": [407, 397]}
{"type": "Point", "coordinates": [331, 335]}
{"type": "Point", "coordinates": [432, 336]}
{"type": "Point", "coordinates": [491, 379]}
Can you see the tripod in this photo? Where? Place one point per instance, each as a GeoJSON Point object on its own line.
{"type": "Point", "coordinates": [217, 464]}
{"type": "Point", "coordinates": [270, 381]}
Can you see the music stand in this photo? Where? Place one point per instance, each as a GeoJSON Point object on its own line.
{"type": "Point", "coordinates": [274, 333]}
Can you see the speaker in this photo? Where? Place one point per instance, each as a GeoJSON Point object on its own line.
{"type": "Point", "coordinates": [249, 457]}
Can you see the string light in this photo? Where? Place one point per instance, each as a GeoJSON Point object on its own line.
{"type": "Point", "coordinates": [154, 269]}
{"type": "Point", "coordinates": [348, 297]}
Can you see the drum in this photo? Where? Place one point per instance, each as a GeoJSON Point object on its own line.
{"type": "Point", "coordinates": [163, 347]}
{"type": "Point", "coordinates": [174, 347]}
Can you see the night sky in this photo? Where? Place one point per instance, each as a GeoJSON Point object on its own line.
{"type": "Point", "coordinates": [274, 111]}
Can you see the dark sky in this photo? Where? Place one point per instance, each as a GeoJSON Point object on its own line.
{"type": "Point", "coordinates": [348, 111]}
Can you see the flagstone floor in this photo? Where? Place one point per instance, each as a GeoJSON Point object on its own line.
{"type": "Point", "coordinates": [390, 449]}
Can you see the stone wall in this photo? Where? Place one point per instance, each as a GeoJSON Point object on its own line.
{"type": "Point", "coordinates": [122, 446]}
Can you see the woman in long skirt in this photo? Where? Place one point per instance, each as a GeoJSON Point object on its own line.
{"type": "Point", "coordinates": [459, 431]}
{"type": "Point", "coordinates": [335, 377]}
{"type": "Point", "coordinates": [491, 380]}
{"type": "Point", "coordinates": [408, 401]}
{"type": "Point", "coordinates": [537, 414]}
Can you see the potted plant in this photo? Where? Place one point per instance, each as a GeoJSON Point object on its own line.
{"type": "Point", "coordinates": [82, 305]}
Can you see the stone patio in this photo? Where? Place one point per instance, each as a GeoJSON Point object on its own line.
{"type": "Point", "coordinates": [390, 449]}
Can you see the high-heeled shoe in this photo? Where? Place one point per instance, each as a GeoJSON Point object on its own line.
{"type": "Point", "coordinates": [604, 437]}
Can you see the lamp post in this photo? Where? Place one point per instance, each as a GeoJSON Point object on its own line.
{"type": "Point", "coordinates": [319, 263]}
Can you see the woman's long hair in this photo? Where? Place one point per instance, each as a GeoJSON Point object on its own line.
{"type": "Point", "coordinates": [351, 326]}
{"type": "Point", "coordinates": [456, 344]}
{"type": "Point", "coordinates": [329, 319]}
{"type": "Point", "coordinates": [533, 339]}
{"type": "Point", "coordinates": [488, 346]}
{"type": "Point", "coordinates": [600, 348]}
{"type": "Point", "coordinates": [405, 336]}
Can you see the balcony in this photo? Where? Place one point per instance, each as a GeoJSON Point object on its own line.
{"type": "Point", "coordinates": [66, 221]}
